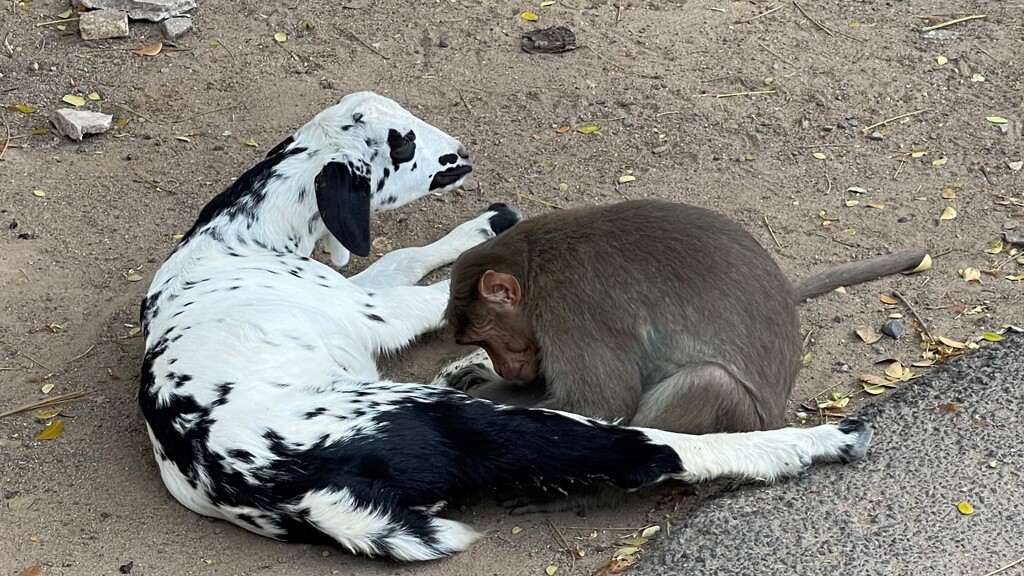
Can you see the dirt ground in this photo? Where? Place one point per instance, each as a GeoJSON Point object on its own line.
{"type": "Point", "coordinates": [780, 161]}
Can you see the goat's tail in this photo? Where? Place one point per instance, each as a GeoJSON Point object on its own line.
{"type": "Point", "coordinates": [856, 273]}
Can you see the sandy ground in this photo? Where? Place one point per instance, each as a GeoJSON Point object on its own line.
{"type": "Point", "coordinates": [91, 501]}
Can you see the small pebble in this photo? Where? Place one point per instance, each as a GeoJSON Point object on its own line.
{"type": "Point", "coordinates": [876, 135]}
{"type": "Point", "coordinates": [660, 150]}
{"type": "Point", "coordinates": [470, 185]}
{"type": "Point", "coordinates": [844, 368]}
{"type": "Point", "coordinates": [443, 43]}
{"type": "Point", "coordinates": [218, 530]}
{"type": "Point", "coordinates": [893, 329]}
{"type": "Point", "coordinates": [627, 121]}
{"type": "Point", "coordinates": [852, 122]}
{"type": "Point", "coordinates": [904, 219]}
{"type": "Point", "coordinates": [801, 415]}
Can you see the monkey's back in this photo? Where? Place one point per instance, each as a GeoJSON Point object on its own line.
{"type": "Point", "coordinates": [660, 285]}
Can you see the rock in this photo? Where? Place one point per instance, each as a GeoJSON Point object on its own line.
{"type": "Point", "coordinates": [662, 149]}
{"type": "Point", "coordinates": [470, 185]}
{"type": "Point", "coordinates": [103, 24]}
{"type": "Point", "coordinates": [1014, 237]}
{"type": "Point", "coordinates": [893, 328]}
{"type": "Point", "coordinates": [1015, 166]}
{"type": "Point", "coordinates": [153, 10]}
{"type": "Point", "coordinates": [876, 135]}
{"type": "Point", "coordinates": [75, 124]}
{"type": "Point", "coordinates": [174, 28]}
{"type": "Point", "coordinates": [443, 43]}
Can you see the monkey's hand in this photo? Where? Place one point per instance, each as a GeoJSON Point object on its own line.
{"type": "Point", "coordinates": [474, 375]}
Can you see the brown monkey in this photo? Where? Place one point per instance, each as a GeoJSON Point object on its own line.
{"type": "Point", "coordinates": [653, 313]}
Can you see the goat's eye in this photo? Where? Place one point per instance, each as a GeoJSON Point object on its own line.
{"type": "Point", "coordinates": [403, 148]}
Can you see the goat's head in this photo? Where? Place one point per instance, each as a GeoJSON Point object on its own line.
{"type": "Point", "coordinates": [372, 155]}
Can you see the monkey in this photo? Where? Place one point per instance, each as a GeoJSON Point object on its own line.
{"type": "Point", "coordinates": [645, 312]}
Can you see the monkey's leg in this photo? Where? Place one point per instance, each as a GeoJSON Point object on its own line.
{"type": "Point", "coordinates": [702, 399]}
{"type": "Point", "coordinates": [406, 266]}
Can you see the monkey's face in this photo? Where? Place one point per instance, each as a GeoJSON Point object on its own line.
{"type": "Point", "coordinates": [506, 335]}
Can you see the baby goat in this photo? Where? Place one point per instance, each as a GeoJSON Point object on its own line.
{"type": "Point", "coordinates": [259, 384]}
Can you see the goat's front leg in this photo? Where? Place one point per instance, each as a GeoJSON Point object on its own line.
{"type": "Point", "coordinates": [399, 314]}
{"type": "Point", "coordinates": [406, 266]}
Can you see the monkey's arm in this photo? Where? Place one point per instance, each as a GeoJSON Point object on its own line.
{"type": "Point", "coordinates": [856, 273]}
{"type": "Point", "coordinates": [481, 382]}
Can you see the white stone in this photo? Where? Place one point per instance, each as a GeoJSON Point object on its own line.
{"type": "Point", "coordinates": [102, 24]}
{"type": "Point", "coordinates": [153, 10]}
{"type": "Point", "coordinates": [174, 28]}
{"type": "Point", "coordinates": [75, 124]}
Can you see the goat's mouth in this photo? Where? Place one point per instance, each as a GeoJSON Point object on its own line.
{"type": "Point", "coordinates": [450, 176]}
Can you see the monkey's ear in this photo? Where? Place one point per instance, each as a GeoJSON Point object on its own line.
{"type": "Point", "coordinates": [500, 288]}
{"type": "Point", "coordinates": [343, 200]}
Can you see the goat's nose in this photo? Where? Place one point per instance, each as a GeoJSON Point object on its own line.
{"type": "Point", "coordinates": [463, 152]}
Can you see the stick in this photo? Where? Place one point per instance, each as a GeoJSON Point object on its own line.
{"type": "Point", "coordinates": [816, 23]}
{"type": "Point", "coordinates": [772, 232]}
{"type": "Point", "coordinates": [34, 360]}
{"type": "Point", "coordinates": [731, 94]}
{"type": "Point", "coordinates": [140, 115]}
{"type": "Point", "coordinates": [893, 119]}
{"type": "Point", "coordinates": [225, 47]}
{"type": "Point", "coordinates": [7, 139]}
{"type": "Point", "coordinates": [51, 22]}
{"type": "Point", "coordinates": [44, 403]}
{"type": "Point", "coordinates": [924, 327]}
{"type": "Point", "coordinates": [1010, 565]}
{"type": "Point", "coordinates": [826, 145]}
{"type": "Point", "coordinates": [82, 355]}
{"type": "Point", "coordinates": [773, 53]}
{"type": "Point", "coordinates": [669, 113]}
{"type": "Point", "coordinates": [539, 201]}
{"type": "Point", "coordinates": [953, 21]}
{"type": "Point", "coordinates": [779, 7]}
{"type": "Point", "coordinates": [364, 43]}
{"type": "Point", "coordinates": [198, 114]}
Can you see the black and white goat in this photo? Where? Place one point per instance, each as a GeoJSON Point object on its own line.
{"type": "Point", "coordinates": [259, 383]}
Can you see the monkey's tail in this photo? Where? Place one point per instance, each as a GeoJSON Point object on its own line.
{"type": "Point", "coordinates": [857, 273]}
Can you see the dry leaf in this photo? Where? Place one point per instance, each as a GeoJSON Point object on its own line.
{"type": "Point", "coordinates": [46, 388]}
{"type": "Point", "coordinates": [951, 343]}
{"type": "Point", "coordinates": [948, 214]}
{"type": "Point", "coordinates": [948, 194]}
{"type": "Point", "coordinates": [850, 231]}
{"type": "Point", "coordinates": [52, 431]}
{"type": "Point", "coordinates": [991, 336]}
{"type": "Point", "coordinates": [852, 202]}
{"type": "Point", "coordinates": [588, 129]}
{"type": "Point", "coordinates": [550, 570]}
{"type": "Point", "coordinates": [940, 161]}
{"type": "Point", "coordinates": [925, 264]}
{"type": "Point", "coordinates": [73, 100]}
{"type": "Point", "coordinates": [876, 206]}
{"type": "Point", "coordinates": [856, 190]}
{"type": "Point", "coordinates": [627, 550]}
{"type": "Point", "coordinates": [922, 363]}
{"type": "Point", "coordinates": [841, 290]}
{"type": "Point", "coordinates": [1015, 277]}
{"type": "Point", "coordinates": [530, 17]}
{"type": "Point", "coordinates": [38, 193]}
{"type": "Point", "coordinates": [942, 60]}
{"type": "Point", "coordinates": [24, 108]}
{"type": "Point", "coordinates": [516, 529]}
{"type": "Point", "coordinates": [997, 119]}
{"type": "Point", "coordinates": [948, 407]}
{"type": "Point", "coordinates": [819, 155]}
{"type": "Point", "coordinates": [93, 96]}
{"type": "Point", "coordinates": [885, 298]}
{"type": "Point", "coordinates": [971, 275]}
{"type": "Point", "coordinates": [546, 3]}
{"type": "Point", "coordinates": [214, 43]}
{"type": "Point", "coordinates": [868, 335]}
{"type": "Point", "coordinates": [872, 380]}
{"type": "Point", "coordinates": [46, 413]}
{"type": "Point", "coordinates": [650, 531]}
{"type": "Point", "coordinates": [995, 247]}
{"type": "Point", "coordinates": [635, 541]}
{"type": "Point", "coordinates": [65, 14]}
{"type": "Point", "coordinates": [894, 370]}
{"type": "Point", "coordinates": [133, 277]}
{"type": "Point", "coordinates": [40, 131]}
{"type": "Point", "coordinates": [280, 37]}
{"type": "Point", "coordinates": [562, 129]}
{"type": "Point", "coordinates": [251, 142]}
{"type": "Point", "coordinates": [32, 570]}
{"type": "Point", "coordinates": [626, 178]}
{"type": "Point", "coordinates": [965, 508]}
{"type": "Point", "coordinates": [873, 390]}
{"type": "Point", "coordinates": [182, 138]}
{"type": "Point", "coordinates": [151, 50]}
{"type": "Point", "coordinates": [977, 77]}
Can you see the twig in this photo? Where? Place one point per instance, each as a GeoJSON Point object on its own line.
{"type": "Point", "coordinates": [7, 139]}
{"type": "Point", "coordinates": [836, 240]}
{"type": "Point", "coordinates": [539, 201]}
{"type": "Point", "coordinates": [462, 97]}
{"type": "Point", "coordinates": [827, 145]}
{"type": "Point", "coordinates": [204, 113]}
{"type": "Point", "coordinates": [900, 167]}
{"type": "Point", "coordinates": [924, 327]}
{"type": "Point", "coordinates": [44, 403]}
{"type": "Point", "coordinates": [669, 113]}
{"type": "Point", "coordinates": [951, 22]}
{"type": "Point", "coordinates": [52, 22]}
{"type": "Point", "coordinates": [779, 7]}
{"type": "Point", "coordinates": [139, 114]}
{"type": "Point", "coordinates": [773, 53]}
{"type": "Point", "coordinates": [772, 232]}
{"type": "Point", "coordinates": [22, 270]}
{"type": "Point", "coordinates": [601, 56]}
{"type": "Point", "coordinates": [82, 355]}
{"type": "Point", "coordinates": [368, 46]}
{"type": "Point", "coordinates": [592, 528]}
{"type": "Point", "coordinates": [752, 93]}
{"type": "Point", "coordinates": [816, 23]}
{"type": "Point", "coordinates": [893, 119]}
{"type": "Point", "coordinates": [225, 47]}
{"type": "Point", "coordinates": [41, 365]}
{"type": "Point", "coordinates": [1010, 565]}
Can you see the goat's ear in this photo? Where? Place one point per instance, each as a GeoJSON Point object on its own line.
{"type": "Point", "coordinates": [343, 200]}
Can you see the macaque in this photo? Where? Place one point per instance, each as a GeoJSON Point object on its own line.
{"type": "Point", "coordinates": [647, 313]}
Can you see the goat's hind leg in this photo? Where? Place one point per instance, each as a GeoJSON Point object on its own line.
{"type": "Point", "coordinates": [406, 266]}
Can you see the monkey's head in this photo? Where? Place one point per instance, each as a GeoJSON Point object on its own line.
{"type": "Point", "coordinates": [486, 309]}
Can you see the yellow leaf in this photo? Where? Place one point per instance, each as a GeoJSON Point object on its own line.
{"type": "Point", "coordinates": [588, 129]}
{"type": "Point", "coordinates": [995, 247]}
{"type": "Point", "coordinates": [546, 3]}
{"type": "Point", "coordinates": [24, 108]}
{"type": "Point", "coordinates": [873, 390]}
{"type": "Point", "coordinates": [918, 153]}
{"type": "Point", "coordinates": [280, 37]}
{"type": "Point", "coordinates": [868, 335]}
{"type": "Point", "coordinates": [550, 570]}
{"type": "Point", "coordinates": [251, 142]}
{"type": "Point", "coordinates": [806, 359]}
{"type": "Point", "coordinates": [888, 299]}
{"type": "Point", "coordinates": [151, 50]}
{"type": "Point", "coordinates": [1015, 277]}
{"type": "Point", "coordinates": [876, 206]}
{"type": "Point", "coordinates": [872, 380]}
{"type": "Point", "coordinates": [991, 336]}
{"type": "Point", "coordinates": [65, 14]}
{"type": "Point", "coordinates": [841, 290]}
{"type": "Point", "coordinates": [627, 550]}
{"type": "Point", "coordinates": [649, 531]}
{"type": "Point", "coordinates": [516, 529]}
{"type": "Point", "coordinates": [925, 264]}
{"type": "Point", "coordinates": [529, 16]}
{"type": "Point", "coordinates": [626, 178]}
{"type": "Point", "coordinates": [214, 43]}
{"type": "Point", "coordinates": [38, 193]}
{"type": "Point", "coordinates": [40, 131]}
{"type": "Point", "coordinates": [73, 100]}
{"type": "Point", "coordinates": [965, 508]}
{"type": "Point", "coordinates": [852, 202]}
{"type": "Point", "coordinates": [948, 194]}
{"type": "Point", "coordinates": [819, 155]}
{"type": "Point", "coordinates": [177, 236]}
{"type": "Point", "coordinates": [940, 161]}
{"type": "Point", "coordinates": [997, 119]}
{"type": "Point", "coordinates": [842, 402]}
{"type": "Point", "coordinates": [942, 60]}
{"type": "Point", "coordinates": [977, 77]}
{"type": "Point", "coordinates": [93, 96]}
{"type": "Point", "coordinates": [948, 214]}
{"type": "Point", "coordinates": [52, 431]}
{"type": "Point", "coordinates": [46, 414]}
{"type": "Point", "coordinates": [46, 389]}
{"type": "Point", "coordinates": [971, 275]}
{"type": "Point", "coordinates": [854, 24]}
{"type": "Point", "coordinates": [850, 231]}
{"type": "Point", "coordinates": [894, 370]}
{"type": "Point", "coordinates": [62, 27]}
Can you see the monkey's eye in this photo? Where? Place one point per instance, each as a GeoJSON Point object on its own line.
{"type": "Point", "coordinates": [403, 148]}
